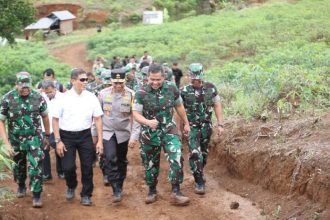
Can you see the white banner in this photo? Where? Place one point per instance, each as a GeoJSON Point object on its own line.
{"type": "Point", "coordinates": [152, 17]}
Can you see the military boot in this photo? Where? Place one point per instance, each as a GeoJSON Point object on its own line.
{"type": "Point", "coordinates": [36, 200]}
{"type": "Point", "coordinates": [21, 192]}
{"type": "Point", "coordinates": [199, 184]}
{"type": "Point", "coordinates": [177, 198]}
{"type": "Point", "coordinates": [106, 181]}
{"type": "Point", "coordinates": [117, 196]}
{"type": "Point", "coordinates": [152, 195]}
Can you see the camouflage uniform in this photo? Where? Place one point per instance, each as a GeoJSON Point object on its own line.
{"type": "Point", "coordinates": [140, 78]}
{"type": "Point", "coordinates": [25, 135]}
{"type": "Point", "coordinates": [199, 105]}
{"type": "Point", "coordinates": [158, 104]}
{"type": "Point", "coordinates": [93, 87]}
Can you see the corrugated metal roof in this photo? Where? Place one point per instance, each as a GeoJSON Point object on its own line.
{"type": "Point", "coordinates": [42, 23]}
{"type": "Point", "coordinates": [63, 15]}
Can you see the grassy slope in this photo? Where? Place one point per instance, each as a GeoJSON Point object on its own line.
{"type": "Point", "coordinates": [259, 57]}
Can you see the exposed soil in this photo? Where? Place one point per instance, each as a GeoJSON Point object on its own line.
{"type": "Point", "coordinates": [274, 170]}
{"type": "Point", "coordinates": [73, 55]}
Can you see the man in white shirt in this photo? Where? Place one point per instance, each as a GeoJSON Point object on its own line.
{"type": "Point", "coordinates": [52, 96]}
{"type": "Point", "coordinates": [72, 123]}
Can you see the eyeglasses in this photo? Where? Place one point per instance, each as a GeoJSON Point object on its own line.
{"type": "Point", "coordinates": [83, 79]}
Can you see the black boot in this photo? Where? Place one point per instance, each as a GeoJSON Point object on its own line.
{"type": "Point", "coordinates": [116, 192]}
{"type": "Point", "coordinates": [200, 184]}
{"type": "Point", "coordinates": [177, 198]}
{"type": "Point", "coordinates": [152, 195]}
{"type": "Point", "coordinates": [36, 200]}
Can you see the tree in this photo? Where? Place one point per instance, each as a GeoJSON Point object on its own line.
{"type": "Point", "coordinates": [14, 15]}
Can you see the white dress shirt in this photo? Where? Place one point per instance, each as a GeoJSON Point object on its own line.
{"type": "Point", "coordinates": [76, 112]}
{"type": "Point", "coordinates": [51, 105]}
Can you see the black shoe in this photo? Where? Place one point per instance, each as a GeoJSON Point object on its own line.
{"type": "Point", "coordinates": [46, 178]}
{"type": "Point", "coordinates": [61, 176]}
{"type": "Point", "coordinates": [69, 195]}
{"type": "Point", "coordinates": [200, 189]}
{"type": "Point", "coordinates": [86, 200]}
{"type": "Point", "coordinates": [200, 183]}
{"type": "Point", "coordinates": [152, 195]}
{"type": "Point", "coordinates": [117, 196]}
{"type": "Point", "coordinates": [36, 202]}
{"type": "Point", "coordinates": [106, 181]}
{"type": "Point", "coordinates": [21, 192]}
{"type": "Point", "coordinates": [177, 198]}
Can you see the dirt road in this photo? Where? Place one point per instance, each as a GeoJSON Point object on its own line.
{"type": "Point", "coordinates": [214, 205]}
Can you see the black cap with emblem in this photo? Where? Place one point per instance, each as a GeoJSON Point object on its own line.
{"type": "Point", "coordinates": [118, 75]}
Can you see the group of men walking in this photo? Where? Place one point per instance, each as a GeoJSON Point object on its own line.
{"type": "Point", "coordinates": [107, 125]}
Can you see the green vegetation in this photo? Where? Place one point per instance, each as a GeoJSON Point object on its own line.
{"type": "Point", "coordinates": [31, 57]}
{"type": "Point", "coordinates": [274, 57]}
{"type": "Point", "coordinates": [5, 166]}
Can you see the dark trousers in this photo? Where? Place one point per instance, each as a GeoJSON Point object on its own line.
{"type": "Point", "coordinates": [115, 161]}
{"type": "Point", "coordinates": [81, 141]}
{"type": "Point", "coordinates": [46, 167]}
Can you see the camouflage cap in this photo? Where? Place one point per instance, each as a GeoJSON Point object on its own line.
{"type": "Point", "coordinates": [118, 75]}
{"type": "Point", "coordinates": [98, 71]}
{"type": "Point", "coordinates": [106, 76]}
{"type": "Point", "coordinates": [24, 79]}
{"type": "Point", "coordinates": [196, 71]}
{"type": "Point", "coordinates": [144, 71]}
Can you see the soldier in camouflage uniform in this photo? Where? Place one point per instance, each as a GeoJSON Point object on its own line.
{"type": "Point", "coordinates": [141, 78]}
{"type": "Point", "coordinates": [96, 85]}
{"type": "Point", "coordinates": [200, 98]}
{"type": "Point", "coordinates": [22, 107]}
{"type": "Point", "coordinates": [153, 109]}
{"type": "Point", "coordinates": [168, 73]}
{"type": "Point", "coordinates": [130, 75]}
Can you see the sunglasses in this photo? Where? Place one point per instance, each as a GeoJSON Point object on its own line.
{"type": "Point", "coordinates": [83, 79]}
{"type": "Point", "coordinates": [118, 83]}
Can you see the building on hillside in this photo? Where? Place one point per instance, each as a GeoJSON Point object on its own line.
{"type": "Point", "coordinates": [59, 21]}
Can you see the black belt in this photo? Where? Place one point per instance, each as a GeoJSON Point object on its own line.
{"type": "Point", "coordinates": [76, 132]}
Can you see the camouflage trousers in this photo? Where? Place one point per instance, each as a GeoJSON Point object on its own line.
{"type": "Point", "coordinates": [28, 150]}
{"type": "Point", "coordinates": [199, 138]}
{"type": "Point", "coordinates": [150, 149]}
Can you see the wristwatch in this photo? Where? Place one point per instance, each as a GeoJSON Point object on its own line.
{"type": "Point", "coordinates": [47, 136]}
{"type": "Point", "coordinates": [57, 140]}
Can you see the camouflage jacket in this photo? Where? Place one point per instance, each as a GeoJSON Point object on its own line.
{"type": "Point", "coordinates": [138, 80]}
{"type": "Point", "coordinates": [158, 104]}
{"type": "Point", "coordinates": [199, 103]}
{"type": "Point", "coordinates": [94, 88]}
{"type": "Point", "coordinates": [23, 114]}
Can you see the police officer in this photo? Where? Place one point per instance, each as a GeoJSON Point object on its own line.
{"type": "Point", "coordinates": [22, 107]}
{"type": "Point", "coordinates": [153, 109]}
{"type": "Point", "coordinates": [117, 136]}
{"type": "Point", "coordinates": [200, 98]}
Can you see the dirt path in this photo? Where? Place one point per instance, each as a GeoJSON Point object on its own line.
{"type": "Point", "coordinates": [73, 55]}
{"type": "Point", "coordinates": [214, 205]}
